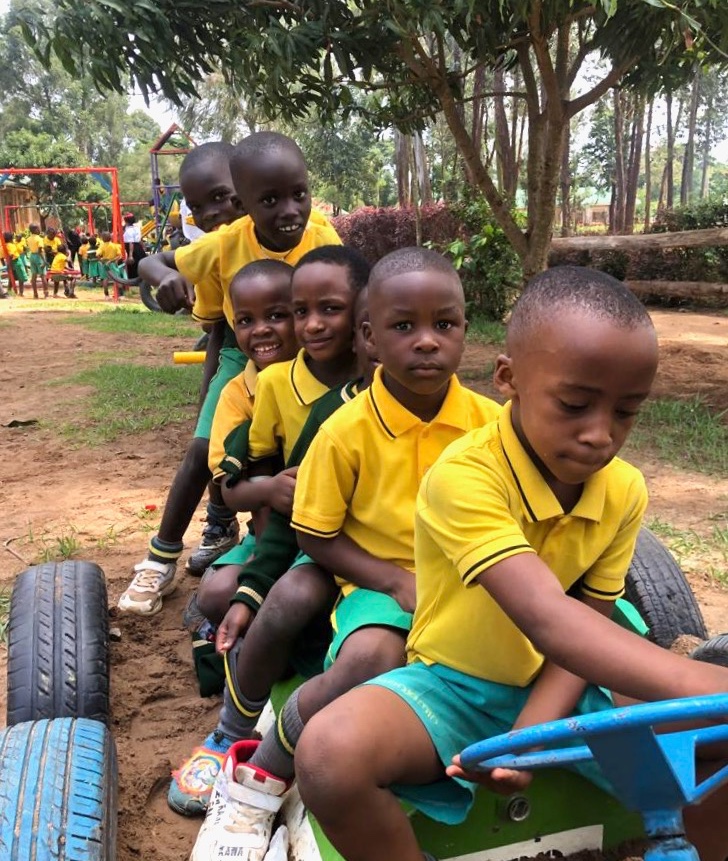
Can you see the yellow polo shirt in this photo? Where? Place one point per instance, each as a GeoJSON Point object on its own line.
{"type": "Point", "coordinates": [52, 244]}
{"type": "Point", "coordinates": [13, 252]}
{"type": "Point", "coordinates": [35, 243]}
{"type": "Point", "coordinates": [211, 261]}
{"type": "Point", "coordinates": [234, 407]}
{"type": "Point", "coordinates": [484, 501]}
{"type": "Point", "coordinates": [60, 262]}
{"type": "Point", "coordinates": [285, 393]}
{"type": "Point", "coordinates": [109, 251]}
{"type": "Point", "coordinates": [361, 473]}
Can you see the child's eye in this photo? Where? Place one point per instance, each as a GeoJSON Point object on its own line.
{"type": "Point", "coordinates": [221, 195]}
{"type": "Point", "coordinates": [299, 312]}
{"type": "Point", "coordinates": [244, 321]}
{"type": "Point", "coordinates": [402, 326]}
{"type": "Point", "coordinates": [625, 415]}
{"type": "Point", "coordinates": [571, 407]}
{"type": "Point", "coordinates": [279, 315]}
{"type": "Point", "coordinates": [300, 195]}
{"type": "Point", "coordinates": [333, 309]}
{"type": "Point", "coordinates": [270, 200]}
{"type": "Point", "coordinates": [444, 325]}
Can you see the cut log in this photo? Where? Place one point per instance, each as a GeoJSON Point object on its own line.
{"type": "Point", "coordinates": [643, 241]}
{"type": "Point", "coordinates": [688, 290]}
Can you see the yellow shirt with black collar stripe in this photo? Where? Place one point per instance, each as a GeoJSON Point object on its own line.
{"type": "Point", "coordinates": [234, 407]}
{"type": "Point", "coordinates": [485, 501]}
{"type": "Point", "coordinates": [285, 393]}
{"type": "Point", "coordinates": [361, 473]}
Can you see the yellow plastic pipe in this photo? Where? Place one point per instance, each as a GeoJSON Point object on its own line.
{"type": "Point", "coordinates": [191, 357]}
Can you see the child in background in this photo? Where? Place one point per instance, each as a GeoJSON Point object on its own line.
{"type": "Point", "coordinates": [37, 260]}
{"type": "Point", "coordinates": [325, 287]}
{"type": "Point", "coordinates": [354, 513]}
{"type": "Point", "coordinates": [15, 262]}
{"type": "Point", "coordinates": [22, 247]}
{"type": "Point", "coordinates": [82, 252]}
{"type": "Point", "coordinates": [58, 273]}
{"type": "Point", "coordinates": [271, 182]}
{"type": "Point", "coordinates": [50, 244]}
{"type": "Point", "coordinates": [111, 257]}
{"type": "Point", "coordinates": [133, 246]}
{"type": "Point", "coordinates": [511, 520]}
{"type": "Point", "coordinates": [94, 270]}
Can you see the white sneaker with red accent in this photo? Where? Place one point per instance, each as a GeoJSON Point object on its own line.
{"type": "Point", "coordinates": [241, 810]}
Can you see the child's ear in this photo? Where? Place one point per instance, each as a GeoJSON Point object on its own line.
{"type": "Point", "coordinates": [369, 342]}
{"type": "Point", "coordinates": [503, 376]}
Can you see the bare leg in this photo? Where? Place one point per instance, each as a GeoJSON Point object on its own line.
{"type": "Point", "coordinates": [347, 757]}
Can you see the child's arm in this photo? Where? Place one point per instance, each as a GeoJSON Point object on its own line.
{"type": "Point", "coordinates": [212, 356]}
{"type": "Point", "coordinates": [175, 291]}
{"type": "Point", "coordinates": [347, 560]}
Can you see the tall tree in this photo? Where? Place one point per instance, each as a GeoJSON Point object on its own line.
{"type": "Point", "coordinates": [293, 54]}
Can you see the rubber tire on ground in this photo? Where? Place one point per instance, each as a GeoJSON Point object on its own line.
{"type": "Point", "coordinates": [713, 651]}
{"type": "Point", "coordinates": [147, 294]}
{"type": "Point", "coordinates": [657, 587]}
{"type": "Point", "coordinates": [58, 644]}
{"type": "Point", "coordinates": [58, 791]}
{"type": "Point", "coordinates": [202, 342]}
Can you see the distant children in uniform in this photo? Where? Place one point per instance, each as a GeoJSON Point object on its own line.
{"type": "Point", "coordinates": [133, 246]}
{"type": "Point", "coordinates": [111, 257]}
{"type": "Point", "coordinates": [94, 267]}
{"type": "Point", "coordinates": [58, 273]}
{"type": "Point", "coordinates": [51, 242]}
{"type": "Point", "coordinates": [15, 262]}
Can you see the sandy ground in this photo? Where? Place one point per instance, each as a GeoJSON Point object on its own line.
{"type": "Point", "coordinates": [50, 488]}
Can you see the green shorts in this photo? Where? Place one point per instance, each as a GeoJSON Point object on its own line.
{"type": "Point", "coordinates": [19, 270]}
{"type": "Point", "coordinates": [231, 363]}
{"type": "Point", "coordinates": [239, 554]}
{"type": "Point", "coordinates": [37, 264]}
{"type": "Point", "coordinates": [364, 608]}
{"type": "Point", "coordinates": [458, 710]}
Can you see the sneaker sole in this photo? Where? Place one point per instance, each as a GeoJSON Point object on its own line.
{"type": "Point", "coordinates": [196, 571]}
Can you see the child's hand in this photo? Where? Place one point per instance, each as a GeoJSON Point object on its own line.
{"type": "Point", "coordinates": [175, 292]}
{"type": "Point", "coordinates": [236, 621]}
{"type": "Point", "coordinates": [280, 490]}
{"type": "Point", "coordinates": [403, 590]}
{"type": "Point", "coordinates": [504, 781]}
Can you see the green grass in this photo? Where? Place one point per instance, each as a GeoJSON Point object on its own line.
{"type": "Point", "coordinates": [138, 321]}
{"type": "Point", "coordinates": [483, 331]}
{"type": "Point", "coordinates": [130, 399]}
{"type": "Point", "coordinates": [702, 553]}
{"type": "Point", "coordinates": [685, 434]}
{"type": "Point", "coordinates": [4, 614]}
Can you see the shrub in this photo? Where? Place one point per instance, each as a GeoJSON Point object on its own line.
{"type": "Point", "coordinates": [467, 233]}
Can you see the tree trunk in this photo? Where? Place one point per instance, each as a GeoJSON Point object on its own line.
{"type": "Point", "coordinates": [686, 184]}
{"type": "Point", "coordinates": [668, 178]}
{"type": "Point", "coordinates": [478, 108]}
{"type": "Point", "coordinates": [648, 170]}
{"type": "Point", "coordinates": [635, 160]}
{"type": "Point", "coordinates": [617, 210]}
{"type": "Point", "coordinates": [421, 171]}
{"type": "Point", "coordinates": [504, 148]}
{"type": "Point", "coordinates": [566, 187]}
{"type": "Point", "coordinates": [686, 290]}
{"type": "Point", "coordinates": [707, 143]}
{"type": "Point", "coordinates": [402, 160]}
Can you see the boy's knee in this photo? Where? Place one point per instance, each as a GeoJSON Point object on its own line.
{"type": "Point", "coordinates": [294, 597]}
{"type": "Point", "coordinates": [215, 592]}
{"type": "Point", "coordinates": [370, 652]}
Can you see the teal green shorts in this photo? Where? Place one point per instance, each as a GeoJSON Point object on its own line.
{"type": "Point", "coordinates": [364, 608]}
{"type": "Point", "coordinates": [458, 710]}
{"type": "Point", "coordinates": [37, 264]}
{"type": "Point", "coordinates": [19, 270]}
{"type": "Point", "coordinates": [239, 554]}
{"type": "Point", "coordinates": [231, 363]}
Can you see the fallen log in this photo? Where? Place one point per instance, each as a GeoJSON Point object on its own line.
{"type": "Point", "coordinates": [643, 241]}
{"type": "Point", "coordinates": [687, 290]}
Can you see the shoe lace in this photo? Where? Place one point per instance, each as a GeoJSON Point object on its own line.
{"type": "Point", "coordinates": [147, 579]}
{"type": "Point", "coordinates": [248, 819]}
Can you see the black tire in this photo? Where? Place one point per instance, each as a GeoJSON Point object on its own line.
{"type": "Point", "coordinates": [58, 644]}
{"type": "Point", "coordinates": [58, 791]}
{"type": "Point", "coordinates": [658, 589]}
{"type": "Point", "coordinates": [713, 651]}
{"type": "Point", "coordinates": [202, 342]}
{"type": "Point", "coordinates": [124, 282]}
{"type": "Point", "coordinates": [147, 294]}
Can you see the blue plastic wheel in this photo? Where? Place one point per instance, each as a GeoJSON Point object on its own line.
{"type": "Point", "coordinates": [57, 791]}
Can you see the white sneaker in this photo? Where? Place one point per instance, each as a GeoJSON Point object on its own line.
{"type": "Point", "coordinates": [242, 807]}
{"type": "Point", "coordinates": [152, 581]}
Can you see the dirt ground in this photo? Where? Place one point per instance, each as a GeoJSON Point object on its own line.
{"type": "Point", "coordinates": [52, 489]}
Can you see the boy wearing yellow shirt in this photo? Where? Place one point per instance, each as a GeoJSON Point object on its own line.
{"type": "Point", "coordinates": [270, 177]}
{"type": "Point", "coordinates": [57, 273]}
{"type": "Point", "coordinates": [37, 260]}
{"type": "Point", "coordinates": [354, 513]}
{"type": "Point", "coordinates": [15, 261]}
{"type": "Point", "coordinates": [511, 520]}
{"type": "Point", "coordinates": [109, 253]}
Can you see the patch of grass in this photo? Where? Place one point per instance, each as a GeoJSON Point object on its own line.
{"type": "Point", "coordinates": [131, 399]}
{"type": "Point", "coordinates": [699, 553]}
{"type": "Point", "coordinates": [484, 331]}
{"type": "Point", "coordinates": [685, 434]}
{"type": "Point", "coordinates": [54, 548]}
{"type": "Point", "coordinates": [137, 320]}
{"type": "Point", "coordinates": [4, 614]}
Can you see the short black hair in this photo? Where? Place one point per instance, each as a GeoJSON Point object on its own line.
{"type": "Point", "coordinates": [340, 255]}
{"type": "Point", "coordinates": [262, 267]}
{"type": "Point", "coordinates": [261, 143]}
{"type": "Point", "coordinates": [214, 151]}
{"type": "Point", "coordinates": [412, 259]}
{"type": "Point", "coordinates": [576, 288]}
{"type": "Point", "coordinates": [8, 236]}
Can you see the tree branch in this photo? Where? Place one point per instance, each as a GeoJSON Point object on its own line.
{"type": "Point", "coordinates": [575, 105]}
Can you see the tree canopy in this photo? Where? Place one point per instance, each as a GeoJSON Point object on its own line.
{"type": "Point", "coordinates": [412, 59]}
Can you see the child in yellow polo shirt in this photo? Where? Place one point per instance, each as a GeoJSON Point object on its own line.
{"type": "Point", "coordinates": [15, 261]}
{"type": "Point", "coordinates": [37, 260]}
{"type": "Point", "coordinates": [110, 256]}
{"type": "Point", "coordinates": [271, 183]}
{"type": "Point", "coordinates": [510, 518]}
{"type": "Point", "coordinates": [354, 513]}
{"type": "Point", "coordinates": [325, 288]}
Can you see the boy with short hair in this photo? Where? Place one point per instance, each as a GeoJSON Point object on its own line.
{"type": "Point", "coordinates": [110, 256]}
{"type": "Point", "coordinates": [37, 260]}
{"type": "Point", "coordinates": [51, 241]}
{"type": "Point", "coordinates": [58, 271]}
{"type": "Point", "coordinates": [325, 288]}
{"type": "Point", "coordinates": [15, 261]}
{"type": "Point", "coordinates": [271, 182]}
{"type": "Point", "coordinates": [509, 519]}
{"type": "Point", "coordinates": [354, 512]}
